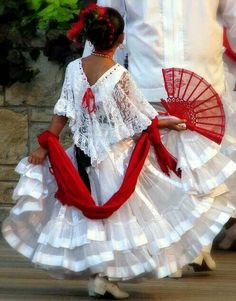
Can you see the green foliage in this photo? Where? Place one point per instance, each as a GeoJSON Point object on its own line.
{"type": "Point", "coordinates": [17, 28]}
{"type": "Point", "coordinates": [61, 11]}
{"type": "Point", "coordinates": [17, 18]}
{"type": "Point", "coordinates": [20, 23]}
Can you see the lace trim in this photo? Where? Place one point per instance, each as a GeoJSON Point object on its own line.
{"type": "Point", "coordinates": [121, 110]}
{"type": "Point", "coordinates": [101, 79]}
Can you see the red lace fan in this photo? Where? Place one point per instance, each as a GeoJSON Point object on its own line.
{"type": "Point", "coordinates": [192, 98]}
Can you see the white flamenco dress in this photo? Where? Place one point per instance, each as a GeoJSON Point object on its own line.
{"type": "Point", "coordinates": [164, 224]}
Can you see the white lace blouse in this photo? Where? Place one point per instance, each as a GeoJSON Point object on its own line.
{"type": "Point", "coordinates": [121, 110]}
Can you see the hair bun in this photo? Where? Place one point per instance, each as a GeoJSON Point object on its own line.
{"type": "Point", "coordinates": [101, 33]}
{"type": "Point", "coordinates": [100, 25]}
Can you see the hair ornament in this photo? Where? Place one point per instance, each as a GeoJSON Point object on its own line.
{"type": "Point", "coordinates": [86, 16]}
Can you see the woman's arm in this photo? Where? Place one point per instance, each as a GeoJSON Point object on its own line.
{"type": "Point", "coordinates": [172, 124]}
{"type": "Point", "coordinates": [57, 124]}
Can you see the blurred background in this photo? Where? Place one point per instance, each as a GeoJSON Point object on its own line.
{"type": "Point", "coordinates": [34, 51]}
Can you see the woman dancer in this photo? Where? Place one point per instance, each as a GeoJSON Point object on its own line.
{"type": "Point", "coordinates": [116, 233]}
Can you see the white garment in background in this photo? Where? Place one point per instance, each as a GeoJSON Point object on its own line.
{"type": "Point", "coordinates": [231, 66]}
{"type": "Point", "coordinates": [175, 33]}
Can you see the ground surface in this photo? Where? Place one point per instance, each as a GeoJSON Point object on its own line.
{"type": "Point", "coordinates": [19, 280]}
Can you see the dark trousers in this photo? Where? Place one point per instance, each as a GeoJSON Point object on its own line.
{"type": "Point", "coordinates": [83, 161]}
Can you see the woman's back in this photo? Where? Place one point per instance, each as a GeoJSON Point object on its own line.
{"type": "Point", "coordinates": [94, 67]}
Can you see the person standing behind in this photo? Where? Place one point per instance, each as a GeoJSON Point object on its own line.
{"type": "Point", "coordinates": [227, 239]}
{"type": "Point", "coordinates": [179, 33]}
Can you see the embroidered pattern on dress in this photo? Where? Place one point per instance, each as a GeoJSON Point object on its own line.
{"type": "Point", "coordinates": [121, 110]}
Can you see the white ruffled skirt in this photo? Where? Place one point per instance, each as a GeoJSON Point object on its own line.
{"type": "Point", "coordinates": [163, 226]}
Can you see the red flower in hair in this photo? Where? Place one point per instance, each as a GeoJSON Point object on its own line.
{"type": "Point", "coordinates": [75, 29]}
{"type": "Point", "coordinates": [79, 27]}
{"type": "Point", "coordinates": [101, 10]}
{"type": "Point", "coordinates": [92, 6]}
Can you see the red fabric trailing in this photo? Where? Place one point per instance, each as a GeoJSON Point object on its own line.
{"type": "Point", "coordinates": [89, 100]}
{"type": "Point", "coordinates": [165, 160]}
{"type": "Point", "coordinates": [229, 51]}
{"type": "Point", "coordinates": [73, 192]}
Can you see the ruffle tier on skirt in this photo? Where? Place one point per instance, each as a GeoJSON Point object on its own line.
{"type": "Point", "coordinates": [163, 226]}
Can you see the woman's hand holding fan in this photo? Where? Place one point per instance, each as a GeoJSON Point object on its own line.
{"type": "Point", "coordinates": [192, 98]}
{"type": "Point", "coordinates": [172, 123]}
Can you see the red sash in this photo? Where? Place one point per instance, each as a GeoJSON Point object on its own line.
{"type": "Point", "coordinates": [73, 192]}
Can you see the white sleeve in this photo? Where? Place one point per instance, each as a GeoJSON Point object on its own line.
{"type": "Point", "coordinates": [228, 12]}
{"type": "Point", "coordinates": [65, 105]}
{"type": "Point", "coordinates": [131, 101]}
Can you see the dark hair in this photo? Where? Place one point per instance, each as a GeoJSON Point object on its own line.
{"type": "Point", "coordinates": [104, 31]}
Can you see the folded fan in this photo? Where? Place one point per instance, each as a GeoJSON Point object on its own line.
{"type": "Point", "coordinates": [192, 98]}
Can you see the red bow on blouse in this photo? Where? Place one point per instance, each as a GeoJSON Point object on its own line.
{"type": "Point", "coordinates": [89, 101]}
